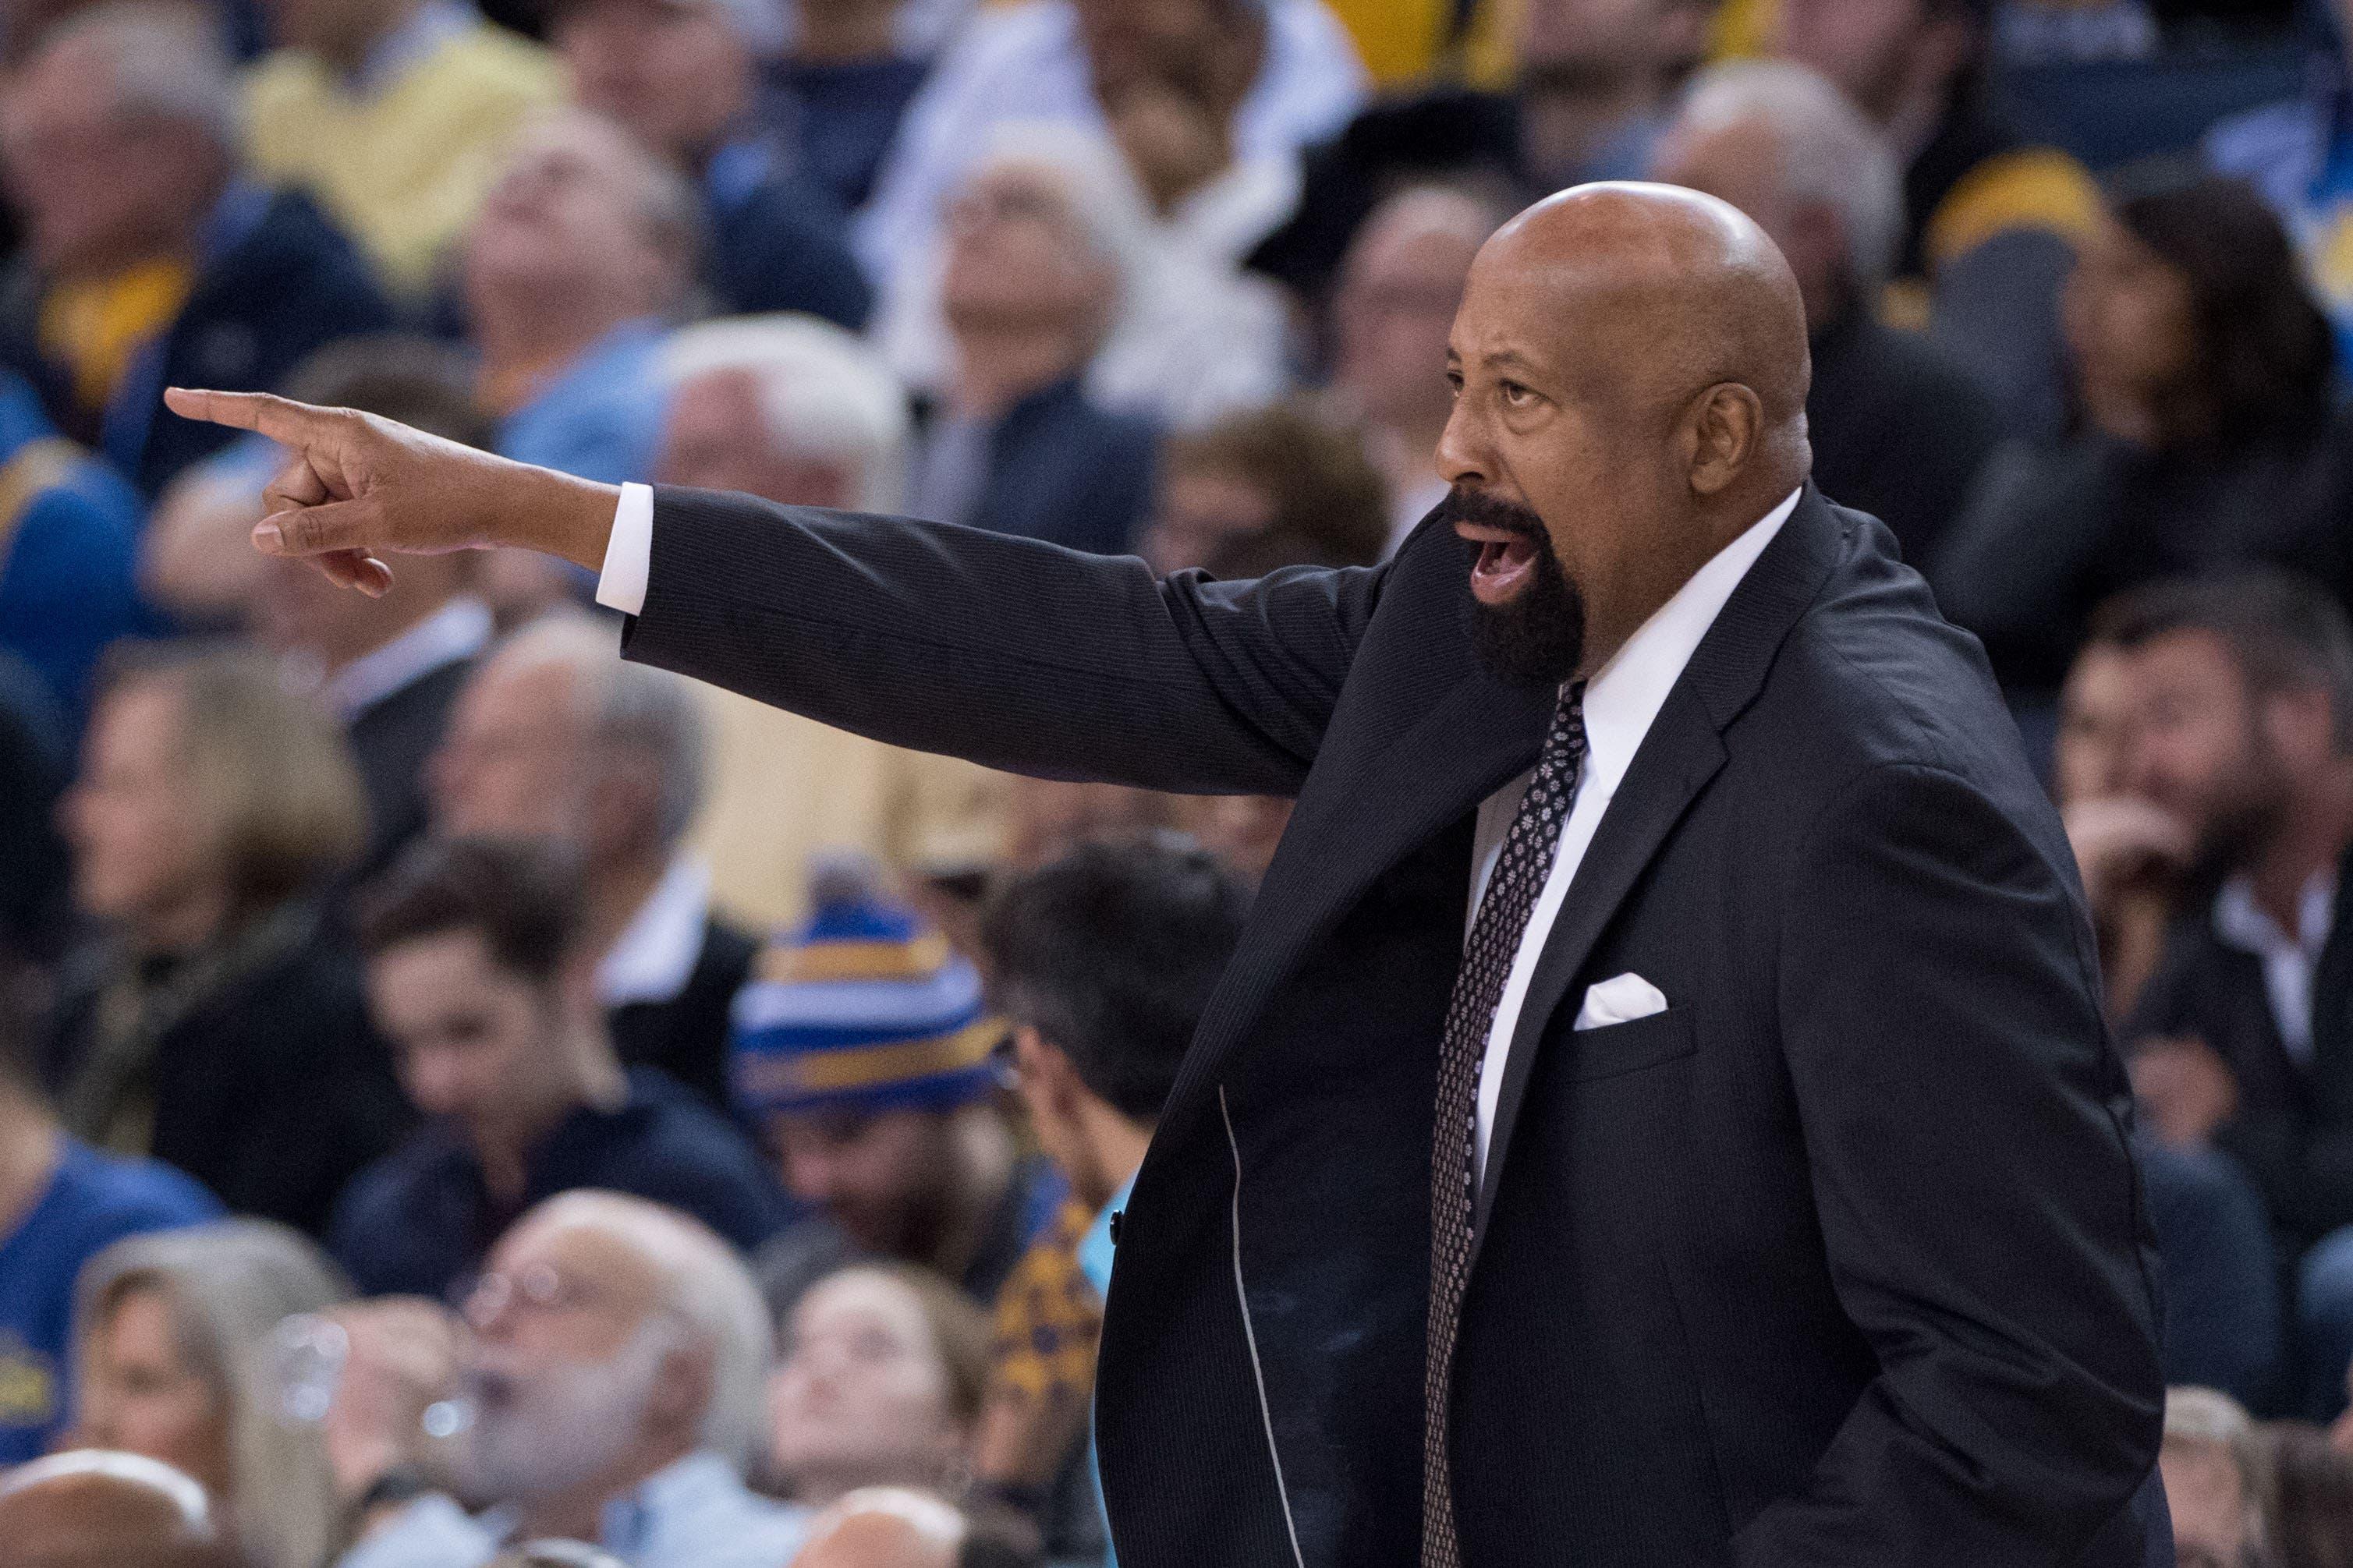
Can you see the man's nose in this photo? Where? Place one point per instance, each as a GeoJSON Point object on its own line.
{"type": "Point", "coordinates": [1463, 458]}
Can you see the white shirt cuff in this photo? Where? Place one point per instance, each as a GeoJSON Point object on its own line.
{"type": "Point", "coordinates": [628, 554]}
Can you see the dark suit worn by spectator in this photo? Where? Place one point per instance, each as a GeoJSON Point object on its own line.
{"type": "Point", "coordinates": [777, 242]}
{"type": "Point", "coordinates": [1055, 468]}
{"type": "Point", "coordinates": [686, 1035]}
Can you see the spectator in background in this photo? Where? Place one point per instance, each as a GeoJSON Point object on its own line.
{"type": "Point", "coordinates": [1900, 425]}
{"type": "Point", "coordinates": [885, 1366]}
{"type": "Point", "coordinates": [1399, 286]}
{"type": "Point", "coordinates": [841, 85]}
{"type": "Point", "coordinates": [173, 1333]}
{"type": "Point", "coordinates": [395, 115]}
{"type": "Point", "coordinates": [2208, 439]}
{"type": "Point", "coordinates": [388, 669]}
{"type": "Point", "coordinates": [477, 976]}
{"type": "Point", "coordinates": [1280, 484]}
{"type": "Point", "coordinates": [150, 259]}
{"type": "Point", "coordinates": [556, 738]}
{"type": "Point", "coordinates": [683, 78]}
{"type": "Point", "coordinates": [1992, 220]}
{"type": "Point", "coordinates": [214, 1020]}
{"type": "Point", "coordinates": [2308, 1499]}
{"type": "Point", "coordinates": [63, 1202]}
{"type": "Point", "coordinates": [582, 250]}
{"type": "Point", "coordinates": [1102, 962]}
{"type": "Point", "coordinates": [1273, 76]}
{"type": "Point", "coordinates": [2212, 1466]}
{"type": "Point", "coordinates": [1596, 81]}
{"type": "Point", "coordinates": [618, 1356]}
{"type": "Point", "coordinates": [800, 411]}
{"type": "Point", "coordinates": [886, 1527]}
{"type": "Point", "coordinates": [95, 1509]}
{"type": "Point", "coordinates": [33, 751]}
{"type": "Point", "coordinates": [68, 531]}
{"type": "Point", "coordinates": [862, 1051]}
{"type": "Point", "coordinates": [2299, 155]}
{"type": "Point", "coordinates": [1030, 290]}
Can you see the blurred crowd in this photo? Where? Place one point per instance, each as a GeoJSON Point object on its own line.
{"type": "Point", "coordinates": [466, 1100]}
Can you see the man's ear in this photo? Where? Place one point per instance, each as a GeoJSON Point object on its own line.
{"type": "Point", "coordinates": [1722, 430]}
{"type": "Point", "coordinates": [1045, 1068]}
{"type": "Point", "coordinates": [684, 1390]}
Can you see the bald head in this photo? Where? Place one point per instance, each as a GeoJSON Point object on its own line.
{"type": "Point", "coordinates": [97, 1509]}
{"type": "Point", "coordinates": [1630, 371]}
{"type": "Point", "coordinates": [884, 1527]}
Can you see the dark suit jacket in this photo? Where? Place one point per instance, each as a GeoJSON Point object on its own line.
{"type": "Point", "coordinates": [391, 737]}
{"type": "Point", "coordinates": [1061, 469]}
{"type": "Point", "coordinates": [1839, 1260]}
{"type": "Point", "coordinates": [686, 1037]}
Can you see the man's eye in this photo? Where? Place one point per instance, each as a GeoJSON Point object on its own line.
{"type": "Point", "coordinates": [1514, 393]}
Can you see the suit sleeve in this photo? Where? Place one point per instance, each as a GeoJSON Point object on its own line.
{"type": "Point", "coordinates": [1964, 1122]}
{"type": "Point", "coordinates": [1008, 652]}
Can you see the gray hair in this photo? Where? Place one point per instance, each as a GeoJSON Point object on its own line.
{"type": "Point", "coordinates": [227, 1284]}
{"type": "Point", "coordinates": [1829, 153]}
{"type": "Point", "coordinates": [2194, 1415]}
{"type": "Point", "coordinates": [707, 1287]}
{"type": "Point", "coordinates": [627, 706]}
{"type": "Point", "coordinates": [165, 62]}
{"type": "Point", "coordinates": [824, 393]}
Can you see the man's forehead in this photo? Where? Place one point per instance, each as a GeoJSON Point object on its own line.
{"type": "Point", "coordinates": [575, 1249]}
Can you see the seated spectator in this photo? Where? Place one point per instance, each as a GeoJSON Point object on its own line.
{"type": "Point", "coordinates": [1279, 485]}
{"type": "Point", "coordinates": [150, 260]}
{"type": "Point", "coordinates": [1399, 286]}
{"type": "Point", "coordinates": [68, 528]}
{"type": "Point", "coordinates": [214, 1020]}
{"type": "Point", "coordinates": [394, 116]}
{"type": "Point", "coordinates": [1018, 446]}
{"type": "Point", "coordinates": [617, 1356]}
{"type": "Point", "coordinates": [800, 411]}
{"type": "Point", "coordinates": [882, 1371]}
{"type": "Point", "coordinates": [555, 737]}
{"type": "Point", "coordinates": [1991, 219]}
{"type": "Point", "coordinates": [582, 250]}
{"type": "Point", "coordinates": [1900, 425]}
{"type": "Point", "coordinates": [2048, 32]}
{"type": "Point", "coordinates": [862, 1051]}
{"type": "Point", "coordinates": [477, 977]}
{"type": "Point", "coordinates": [1592, 89]}
{"type": "Point", "coordinates": [33, 751]}
{"type": "Point", "coordinates": [2208, 439]}
{"type": "Point", "coordinates": [172, 1332]}
{"type": "Point", "coordinates": [91, 1508]}
{"type": "Point", "coordinates": [683, 78]}
{"type": "Point", "coordinates": [64, 1202]}
{"type": "Point", "coordinates": [2299, 156]}
{"type": "Point", "coordinates": [1274, 77]}
{"type": "Point", "coordinates": [389, 668]}
{"type": "Point", "coordinates": [1049, 817]}
{"type": "Point", "coordinates": [2307, 1501]}
{"type": "Point", "coordinates": [841, 85]}
{"type": "Point", "coordinates": [1102, 962]}
{"type": "Point", "coordinates": [885, 1527]}
{"type": "Point", "coordinates": [2212, 1462]}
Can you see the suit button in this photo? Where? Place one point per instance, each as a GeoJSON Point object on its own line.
{"type": "Point", "coordinates": [1116, 1216]}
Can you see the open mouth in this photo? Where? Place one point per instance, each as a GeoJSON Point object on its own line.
{"type": "Point", "coordinates": [1508, 557]}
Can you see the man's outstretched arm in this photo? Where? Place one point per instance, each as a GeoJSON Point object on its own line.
{"type": "Point", "coordinates": [1007, 651]}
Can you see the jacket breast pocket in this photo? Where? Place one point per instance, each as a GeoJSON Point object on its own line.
{"type": "Point", "coordinates": [1616, 1048]}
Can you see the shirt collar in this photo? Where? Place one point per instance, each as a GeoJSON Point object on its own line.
{"type": "Point", "coordinates": [1627, 694]}
{"type": "Point", "coordinates": [683, 1485]}
{"type": "Point", "coordinates": [458, 629]}
{"type": "Point", "coordinates": [2244, 924]}
{"type": "Point", "coordinates": [658, 949]}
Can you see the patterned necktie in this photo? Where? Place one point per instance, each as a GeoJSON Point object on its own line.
{"type": "Point", "coordinates": [1496, 931]}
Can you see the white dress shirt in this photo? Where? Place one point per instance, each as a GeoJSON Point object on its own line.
{"type": "Point", "coordinates": [2288, 957]}
{"type": "Point", "coordinates": [655, 955]}
{"type": "Point", "coordinates": [458, 629]}
{"type": "Point", "coordinates": [1620, 700]}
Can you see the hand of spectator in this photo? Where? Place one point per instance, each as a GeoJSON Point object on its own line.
{"type": "Point", "coordinates": [2120, 840]}
{"type": "Point", "coordinates": [361, 487]}
{"type": "Point", "coordinates": [2186, 1091]}
{"type": "Point", "coordinates": [402, 1359]}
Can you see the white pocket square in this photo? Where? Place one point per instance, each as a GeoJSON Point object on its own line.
{"type": "Point", "coordinates": [1622, 1000]}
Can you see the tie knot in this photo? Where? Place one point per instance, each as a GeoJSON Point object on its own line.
{"type": "Point", "coordinates": [1566, 736]}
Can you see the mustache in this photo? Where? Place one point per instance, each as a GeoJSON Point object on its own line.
{"type": "Point", "coordinates": [1481, 511]}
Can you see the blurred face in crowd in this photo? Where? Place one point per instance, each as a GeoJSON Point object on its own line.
{"type": "Point", "coordinates": [515, 762]}
{"type": "Point", "coordinates": [567, 229]}
{"type": "Point", "coordinates": [2207, 1493]}
{"type": "Point", "coordinates": [2097, 708]}
{"type": "Point", "coordinates": [100, 187]}
{"type": "Point", "coordinates": [883, 1176]}
{"type": "Point", "coordinates": [1565, 39]}
{"type": "Point", "coordinates": [476, 1043]}
{"type": "Point", "coordinates": [2129, 321]}
{"type": "Point", "coordinates": [1398, 292]}
{"type": "Point", "coordinates": [673, 71]}
{"type": "Point", "coordinates": [140, 1393]}
{"type": "Point", "coordinates": [340, 31]}
{"type": "Point", "coordinates": [1197, 511]}
{"type": "Point", "coordinates": [577, 1366]}
{"type": "Point", "coordinates": [1882, 53]}
{"type": "Point", "coordinates": [717, 437]}
{"type": "Point", "coordinates": [1020, 259]}
{"type": "Point", "coordinates": [1186, 44]}
{"type": "Point", "coordinates": [862, 1397]}
{"type": "Point", "coordinates": [144, 849]}
{"type": "Point", "coordinates": [1741, 162]}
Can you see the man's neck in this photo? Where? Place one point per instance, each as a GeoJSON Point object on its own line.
{"type": "Point", "coordinates": [998, 368]}
{"type": "Point", "coordinates": [180, 926]}
{"type": "Point", "coordinates": [838, 34]}
{"type": "Point", "coordinates": [2309, 844]}
{"type": "Point", "coordinates": [577, 1513]}
{"type": "Point", "coordinates": [375, 634]}
{"type": "Point", "coordinates": [983, 1159]}
{"type": "Point", "coordinates": [522, 347]}
{"type": "Point", "coordinates": [1115, 1145]}
{"type": "Point", "coordinates": [30, 1147]}
{"type": "Point", "coordinates": [618, 892]}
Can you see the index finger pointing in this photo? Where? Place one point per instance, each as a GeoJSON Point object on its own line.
{"type": "Point", "coordinates": [295, 425]}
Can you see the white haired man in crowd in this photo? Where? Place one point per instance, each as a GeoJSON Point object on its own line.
{"type": "Point", "coordinates": [555, 737]}
{"type": "Point", "coordinates": [1900, 427]}
{"type": "Point", "coordinates": [796, 410]}
{"type": "Point", "coordinates": [617, 1356]}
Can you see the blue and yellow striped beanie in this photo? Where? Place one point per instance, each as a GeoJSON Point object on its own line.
{"type": "Point", "coordinates": [866, 1009]}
